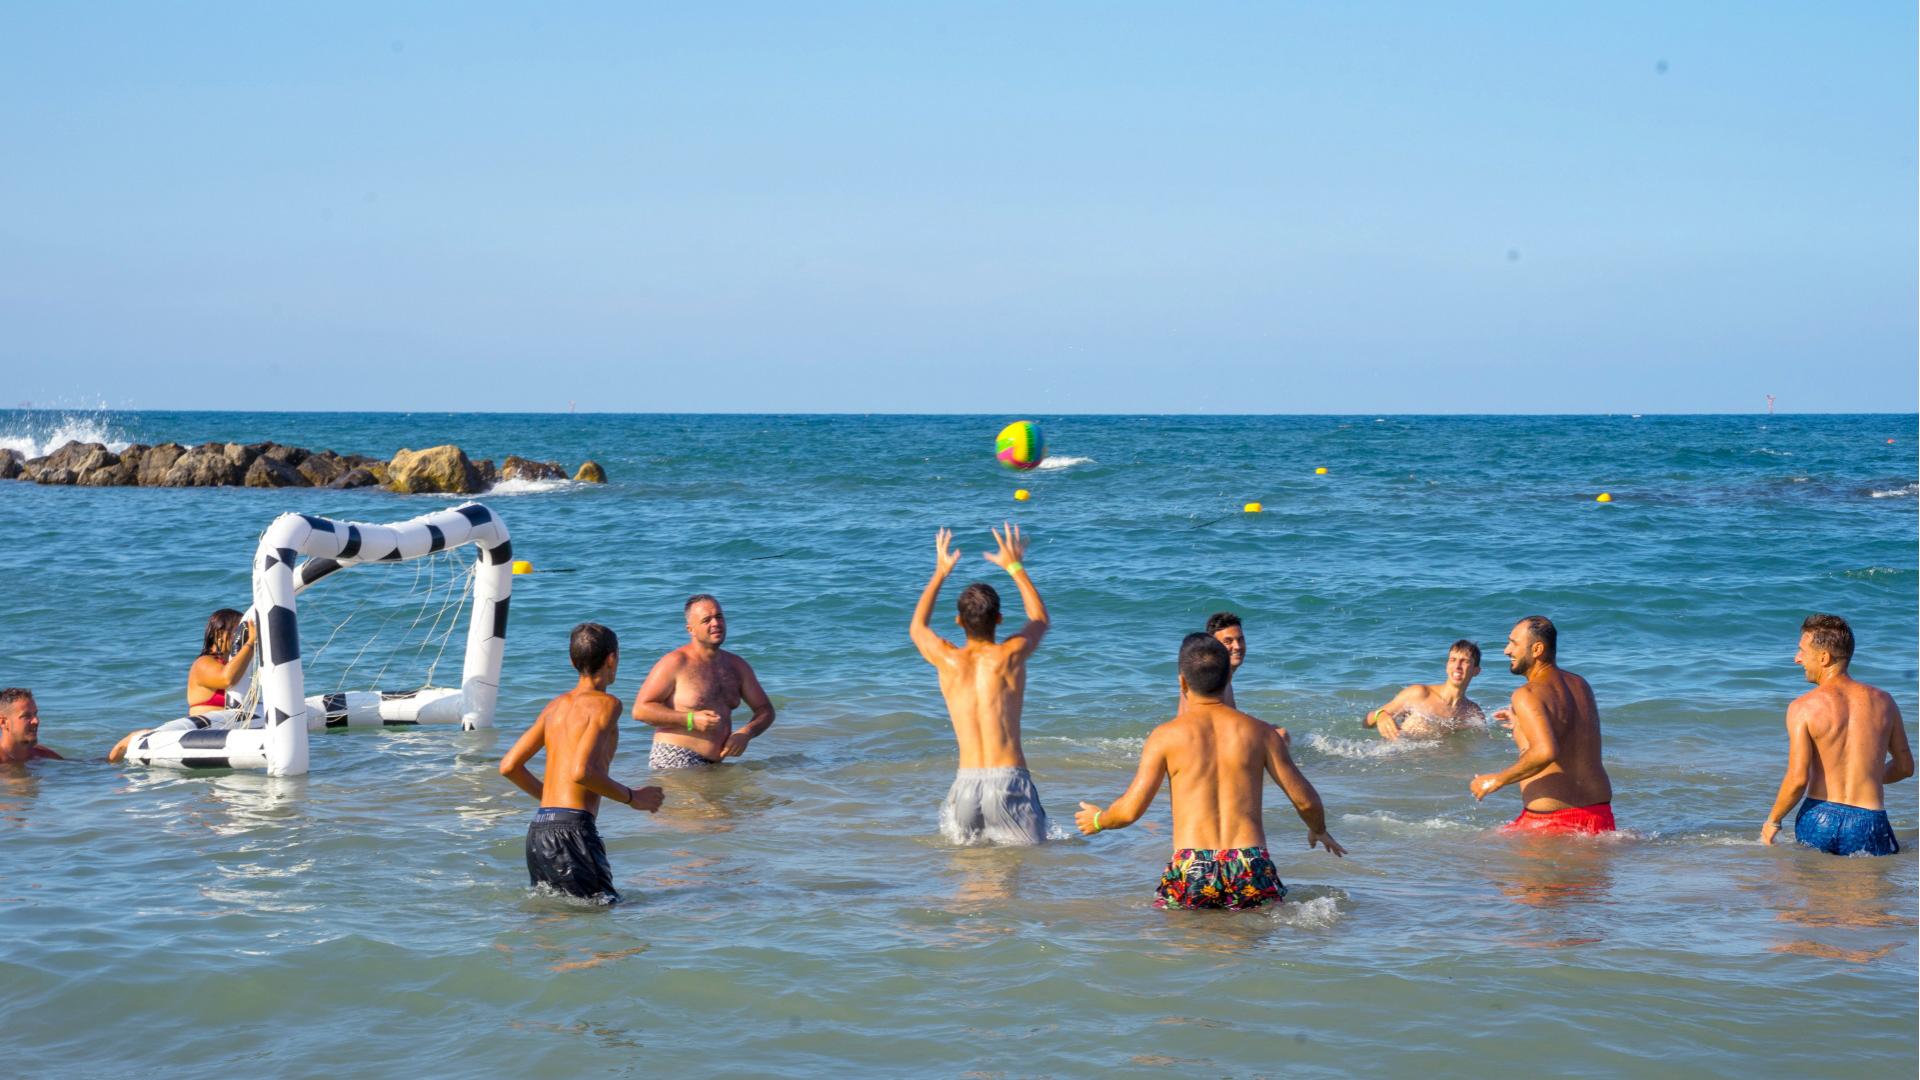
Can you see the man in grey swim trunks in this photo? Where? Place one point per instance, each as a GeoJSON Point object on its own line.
{"type": "Point", "coordinates": [689, 696]}
{"type": "Point", "coordinates": [985, 682]}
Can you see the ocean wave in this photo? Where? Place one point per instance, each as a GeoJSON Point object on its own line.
{"type": "Point", "coordinates": [1774, 453]}
{"type": "Point", "coordinates": [1363, 749]}
{"type": "Point", "coordinates": [518, 486]}
{"type": "Point", "coordinates": [1906, 492]}
{"type": "Point", "coordinates": [1319, 913]}
{"type": "Point", "coordinates": [40, 439]}
{"type": "Point", "coordinates": [1057, 462]}
{"type": "Point", "coordinates": [1401, 825]}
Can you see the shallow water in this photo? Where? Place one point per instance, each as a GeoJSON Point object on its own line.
{"type": "Point", "coordinates": [797, 914]}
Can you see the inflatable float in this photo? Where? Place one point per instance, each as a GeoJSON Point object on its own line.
{"type": "Point", "coordinates": [269, 731]}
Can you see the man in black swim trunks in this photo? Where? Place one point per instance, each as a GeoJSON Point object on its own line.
{"type": "Point", "coordinates": [579, 730]}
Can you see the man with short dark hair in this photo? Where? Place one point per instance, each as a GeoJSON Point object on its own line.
{"type": "Point", "coordinates": [1216, 757]}
{"type": "Point", "coordinates": [1556, 726]}
{"type": "Point", "coordinates": [689, 696]}
{"type": "Point", "coordinates": [1840, 736]}
{"type": "Point", "coordinates": [984, 681]}
{"type": "Point", "coordinates": [1421, 711]}
{"type": "Point", "coordinates": [579, 730]}
{"type": "Point", "coordinates": [1226, 629]}
{"type": "Point", "coordinates": [20, 728]}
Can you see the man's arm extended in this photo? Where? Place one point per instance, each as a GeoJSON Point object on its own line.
{"type": "Point", "coordinates": [1385, 716]}
{"type": "Point", "coordinates": [1013, 547]}
{"type": "Point", "coordinates": [1799, 765]}
{"type": "Point", "coordinates": [1300, 791]}
{"type": "Point", "coordinates": [762, 706]}
{"type": "Point", "coordinates": [930, 644]}
{"type": "Point", "coordinates": [1139, 795]}
{"type": "Point", "coordinates": [514, 765]}
{"type": "Point", "coordinates": [1537, 748]}
{"type": "Point", "coordinates": [653, 703]}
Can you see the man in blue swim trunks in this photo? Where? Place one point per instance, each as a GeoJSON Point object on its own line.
{"type": "Point", "coordinates": [1839, 737]}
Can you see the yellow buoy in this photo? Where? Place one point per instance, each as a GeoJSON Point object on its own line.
{"type": "Point", "coordinates": [522, 566]}
{"type": "Point", "coordinates": [1253, 508]}
{"type": "Point", "coordinates": [1022, 495]}
{"type": "Point", "coordinates": [1603, 497]}
{"type": "Point", "coordinates": [1321, 471]}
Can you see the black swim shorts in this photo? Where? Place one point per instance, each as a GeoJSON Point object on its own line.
{"type": "Point", "coordinates": [564, 853]}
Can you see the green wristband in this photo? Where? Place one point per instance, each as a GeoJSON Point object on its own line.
{"type": "Point", "coordinates": [1096, 821]}
{"type": "Point", "coordinates": [689, 719]}
{"type": "Point", "coordinates": [1015, 567]}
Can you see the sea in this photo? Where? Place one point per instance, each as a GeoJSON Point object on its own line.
{"type": "Point", "coordinates": [797, 914]}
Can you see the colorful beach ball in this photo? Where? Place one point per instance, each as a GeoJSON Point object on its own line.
{"type": "Point", "coordinates": [1020, 445]}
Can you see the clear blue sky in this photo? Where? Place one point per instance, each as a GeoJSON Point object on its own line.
{"type": "Point", "coordinates": [1072, 207]}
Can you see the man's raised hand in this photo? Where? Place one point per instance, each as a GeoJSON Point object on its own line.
{"type": "Point", "coordinates": [1012, 546]}
{"type": "Point", "coordinates": [945, 557]}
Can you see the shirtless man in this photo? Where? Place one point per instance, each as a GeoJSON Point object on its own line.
{"type": "Point", "coordinates": [1216, 756]}
{"type": "Point", "coordinates": [20, 729]}
{"type": "Point", "coordinates": [1839, 737]}
{"type": "Point", "coordinates": [579, 730]}
{"type": "Point", "coordinates": [1429, 712]}
{"type": "Point", "coordinates": [992, 799]}
{"type": "Point", "coordinates": [1226, 629]}
{"type": "Point", "coordinates": [690, 695]}
{"type": "Point", "coordinates": [1556, 726]}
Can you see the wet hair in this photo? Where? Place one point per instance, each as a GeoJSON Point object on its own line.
{"type": "Point", "coordinates": [1472, 649]}
{"type": "Point", "coordinates": [220, 627]}
{"type": "Point", "coordinates": [1543, 632]}
{"type": "Point", "coordinates": [590, 647]}
{"type": "Point", "coordinates": [1220, 620]}
{"type": "Point", "coordinates": [1205, 664]}
{"type": "Point", "coordinates": [13, 695]}
{"type": "Point", "coordinates": [979, 610]}
{"type": "Point", "coordinates": [1831, 632]}
{"type": "Point", "coordinates": [698, 598]}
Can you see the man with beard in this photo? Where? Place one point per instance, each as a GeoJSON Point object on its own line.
{"type": "Point", "coordinates": [1556, 725]}
{"type": "Point", "coordinates": [690, 695]}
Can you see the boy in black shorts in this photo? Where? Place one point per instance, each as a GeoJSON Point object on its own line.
{"type": "Point", "coordinates": [579, 731]}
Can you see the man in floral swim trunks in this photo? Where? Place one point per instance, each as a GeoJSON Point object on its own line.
{"type": "Point", "coordinates": [1218, 758]}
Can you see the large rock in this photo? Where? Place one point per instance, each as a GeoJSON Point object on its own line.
{"type": "Point", "coordinates": [290, 456]}
{"type": "Point", "coordinates": [591, 473]}
{"type": "Point", "coordinates": [156, 463]}
{"type": "Point", "coordinates": [435, 470]}
{"type": "Point", "coordinates": [102, 469]}
{"type": "Point", "coordinates": [242, 454]}
{"type": "Point", "coordinates": [323, 468]}
{"type": "Point", "coordinates": [270, 472]}
{"type": "Point", "coordinates": [519, 468]}
{"type": "Point", "coordinates": [489, 473]}
{"type": "Point", "coordinates": [206, 466]}
{"type": "Point", "coordinates": [10, 464]}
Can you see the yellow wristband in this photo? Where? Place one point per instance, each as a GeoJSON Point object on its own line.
{"type": "Point", "coordinates": [1015, 567]}
{"type": "Point", "coordinates": [689, 719]}
{"type": "Point", "coordinates": [1096, 821]}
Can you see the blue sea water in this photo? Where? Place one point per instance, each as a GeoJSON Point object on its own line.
{"type": "Point", "coordinates": [797, 914]}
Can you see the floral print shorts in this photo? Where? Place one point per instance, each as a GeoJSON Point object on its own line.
{"type": "Point", "coordinates": [1230, 878]}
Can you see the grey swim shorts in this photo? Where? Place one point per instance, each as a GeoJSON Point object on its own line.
{"type": "Point", "coordinates": [993, 806]}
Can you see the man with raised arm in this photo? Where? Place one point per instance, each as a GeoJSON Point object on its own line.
{"type": "Point", "coordinates": [1556, 726]}
{"type": "Point", "coordinates": [992, 799]}
{"type": "Point", "coordinates": [1421, 711]}
{"type": "Point", "coordinates": [1218, 758]}
{"type": "Point", "coordinates": [1840, 736]}
{"type": "Point", "coordinates": [690, 695]}
{"type": "Point", "coordinates": [579, 730]}
{"type": "Point", "coordinates": [20, 728]}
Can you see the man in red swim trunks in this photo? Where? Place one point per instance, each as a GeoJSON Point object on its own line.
{"type": "Point", "coordinates": [1556, 725]}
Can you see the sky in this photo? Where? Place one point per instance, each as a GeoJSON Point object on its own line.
{"type": "Point", "coordinates": [1005, 208]}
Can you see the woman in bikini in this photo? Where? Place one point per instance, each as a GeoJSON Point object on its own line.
{"type": "Point", "coordinates": [212, 673]}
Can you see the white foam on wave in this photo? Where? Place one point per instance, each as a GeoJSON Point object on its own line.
{"type": "Point", "coordinates": [1367, 748]}
{"type": "Point", "coordinates": [1056, 462]}
{"type": "Point", "coordinates": [56, 433]}
{"type": "Point", "coordinates": [519, 486]}
{"type": "Point", "coordinates": [1907, 492]}
{"type": "Point", "coordinates": [1770, 452]}
{"type": "Point", "coordinates": [1319, 913]}
{"type": "Point", "coordinates": [1401, 825]}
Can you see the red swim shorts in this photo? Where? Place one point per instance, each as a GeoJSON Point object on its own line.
{"type": "Point", "coordinates": [1597, 818]}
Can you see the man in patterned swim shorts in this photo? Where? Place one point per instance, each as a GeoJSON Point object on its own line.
{"type": "Point", "coordinates": [1218, 758]}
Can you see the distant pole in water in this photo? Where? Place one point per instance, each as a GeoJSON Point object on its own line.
{"type": "Point", "coordinates": [1769, 404]}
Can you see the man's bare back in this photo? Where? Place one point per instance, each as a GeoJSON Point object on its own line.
{"type": "Point", "coordinates": [1218, 759]}
{"type": "Point", "coordinates": [984, 682]}
{"type": "Point", "coordinates": [1846, 741]}
{"type": "Point", "coordinates": [690, 695]}
{"type": "Point", "coordinates": [580, 732]}
{"type": "Point", "coordinates": [1556, 726]}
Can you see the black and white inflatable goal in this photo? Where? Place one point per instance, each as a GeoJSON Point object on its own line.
{"type": "Point", "coordinates": [274, 736]}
